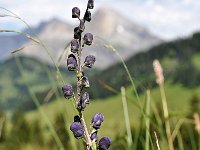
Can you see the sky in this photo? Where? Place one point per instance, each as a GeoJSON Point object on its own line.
{"type": "Point", "coordinates": [168, 19]}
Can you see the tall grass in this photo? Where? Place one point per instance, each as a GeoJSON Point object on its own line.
{"type": "Point", "coordinates": [36, 102]}
{"type": "Point", "coordinates": [126, 117]}
{"type": "Point", "coordinates": [39, 42]}
{"type": "Point", "coordinates": [147, 120]}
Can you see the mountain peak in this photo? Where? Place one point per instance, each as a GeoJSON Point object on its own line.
{"type": "Point", "coordinates": [45, 24]}
{"type": "Point", "coordinates": [107, 23]}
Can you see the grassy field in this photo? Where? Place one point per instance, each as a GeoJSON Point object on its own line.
{"type": "Point", "coordinates": [178, 99]}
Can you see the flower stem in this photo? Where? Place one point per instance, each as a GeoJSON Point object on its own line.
{"type": "Point", "coordinates": [87, 136]}
{"type": "Point", "coordinates": [79, 89]}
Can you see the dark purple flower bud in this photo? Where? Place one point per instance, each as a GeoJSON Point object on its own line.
{"type": "Point", "coordinates": [74, 46]}
{"type": "Point", "coordinates": [97, 120]}
{"type": "Point", "coordinates": [77, 119]}
{"type": "Point", "coordinates": [76, 12]}
{"type": "Point", "coordinates": [82, 25]}
{"type": "Point", "coordinates": [88, 38]}
{"type": "Point", "coordinates": [77, 33]}
{"type": "Point", "coordinates": [94, 136]}
{"type": "Point", "coordinates": [77, 130]}
{"type": "Point", "coordinates": [89, 61]}
{"type": "Point", "coordinates": [83, 101]}
{"type": "Point", "coordinates": [104, 143]}
{"type": "Point", "coordinates": [67, 91]}
{"type": "Point", "coordinates": [90, 4]}
{"type": "Point", "coordinates": [87, 16]}
{"type": "Point", "coordinates": [71, 62]}
{"type": "Point", "coordinates": [85, 82]}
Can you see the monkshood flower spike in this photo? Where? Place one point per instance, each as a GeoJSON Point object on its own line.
{"type": "Point", "coordinates": [76, 12]}
{"type": "Point", "coordinates": [74, 46]}
{"type": "Point", "coordinates": [71, 62]}
{"type": "Point", "coordinates": [81, 98]}
{"type": "Point", "coordinates": [84, 100]}
{"type": "Point", "coordinates": [67, 91]}
{"type": "Point", "coordinates": [94, 136]}
{"type": "Point", "coordinates": [77, 129]}
{"type": "Point", "coordinates": [97, 120]}
{"type": "Point", "coordinates": [85, 82]}
{"type": "Point", "coordinates": [90, 4]}
{"type": "Point", "coordinates": [88, 38]}
{"type": "Point", "coordinates": [87, 16]}
{"type": "Point", "coordinates": [104, 143]}
{"type": "Point", "coordinates": [89, 61]}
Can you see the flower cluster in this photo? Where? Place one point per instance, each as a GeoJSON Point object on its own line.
{"type": "Point", "coordinates": [74, 63]}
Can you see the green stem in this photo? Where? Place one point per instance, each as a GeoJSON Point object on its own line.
{"type": "Point", "coordinates": [166, 116]}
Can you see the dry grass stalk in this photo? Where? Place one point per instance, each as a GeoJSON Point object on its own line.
{"type": "Point", "coordinates": [197, 122]}
{"type": "Point", "coordinates": [158, 72]}
{"type": "Point", "coordinates": [160, 81]}
{"type": "Point", "coordinates": [157, 143]}
{"type": "Point", "coordinates": [2, 121]}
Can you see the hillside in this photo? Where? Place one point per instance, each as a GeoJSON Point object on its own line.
{"type": "Point", "coordinates": [35, 77]}
{"type": "Point", "coordinates": [180, 60]}
{"type": "Point", "coordinates": [14, 86]}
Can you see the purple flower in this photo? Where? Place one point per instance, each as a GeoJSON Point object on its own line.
{"type": "Point", "coordinates": [97, 120]}
{"type": "Point", "coordinates": [104, 143]}
{"type": "Point", "coordinates": [83, 101]}
{"type": "Point", "coordinates": [85, 82]}
{"type": "Point", "coordinates": [90, 4]}
{"type": "Point", "coordinates": [77, 119]}
{"type": "Point", "coordinates": [77, 33]}
{"type": "Point", "coordinates": [67, 91]}
{"type": "Point", "coordinates": [77, 130]}
{"type": "Point", "coordinates": [94, 136]}
{"type": "Point", "coordinates": [89, 61]}
{"type": "Point", "coordinates": [76, 12]}
{"type": "Point", "coordinates": [71, 62]}
{"type": "Point", "coordinates": [74, 46]}
{"type": "Point", "coordinates": [88, 38]}
{"type": "Point", "coordinates": [87, 16]}
{"type": "Point", "coordinates": [82, 25]}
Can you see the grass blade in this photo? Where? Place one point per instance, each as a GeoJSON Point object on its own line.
{"type": "Point", "coordinates": [126, 116]}
{"type": "Point", "coordinates": [147, 120]}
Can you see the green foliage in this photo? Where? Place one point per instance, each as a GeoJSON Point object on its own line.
{"type": "Point", "coordinates": [194, 104]}
{"type": "Point", "coordinates": [13, 88]}
{"type": "Point", "coordinates": [179, 60]}
{"type": "Point", "coordinates": [2, 127]}
{"type": "Point", "coordinates": [39, 76]}
{"type": "Point", "coordinates": [24, 132]}
{"type": "Point", "coordinates": [60, 127]}
{"type": "Point", "coordinates": [20, 124]}
{"type": "Point", "coordinates": [119, 143]}
{"type": "Point", "coordinates": [36, 134]}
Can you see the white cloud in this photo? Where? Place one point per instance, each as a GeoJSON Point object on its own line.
{"type": "Point", "coordinates": [168, 19]}
{"type": "Point", "coordinates": [165, 18]}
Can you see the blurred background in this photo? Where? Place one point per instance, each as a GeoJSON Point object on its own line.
{"type": "Point", "coordinates": [33, 112]}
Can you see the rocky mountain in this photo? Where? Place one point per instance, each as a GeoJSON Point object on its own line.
{"type": "Point", "coordinates": [126, 36]}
